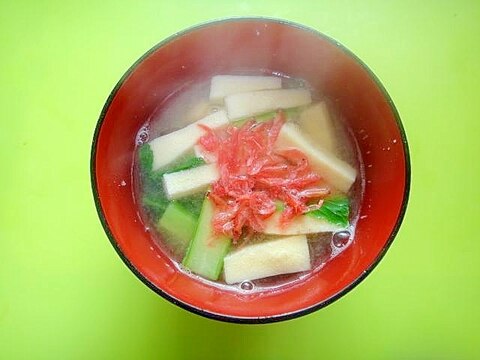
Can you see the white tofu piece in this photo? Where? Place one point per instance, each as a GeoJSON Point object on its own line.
{"type": "Point", "coordinates": [223, 85]}
{"type": "Point", "coordinates": [187, 182]}
{"type": "Point", "coordinates": [302, 224]}
{"type": "Point", "coordinates": [316, 122]}
{"type": "Point", "coordinates": [336, 172]}
{"type": "Point", "coordinates": [169, 147]}
{"type": "Point", "coordinates": [258, 102]}
{"type": "Point", "coordinates": [282, 255]}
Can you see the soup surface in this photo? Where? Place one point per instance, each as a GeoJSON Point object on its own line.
{"type": "Point", "coordinates": [248, 182]}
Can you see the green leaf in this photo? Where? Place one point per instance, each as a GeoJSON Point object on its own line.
{"type": "Point", "coordinates": [193, 203]}
{"type": "Point", "coordinates": [155, 203]}
{"type": "Point", "coordinates": [188, 163]}
{"type": "Point", "coordinates": [145, 155]}
{"type": "Point", "coordinates": [290, 113]}
{"type": "Point", "coordinates": [335, 209]}
{"type": "Point", "coordinates": [154, 199]}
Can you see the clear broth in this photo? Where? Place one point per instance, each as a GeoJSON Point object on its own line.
{"type": "Point", "coordinates": [190, 103]}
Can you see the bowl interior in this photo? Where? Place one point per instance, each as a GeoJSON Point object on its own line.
{"type": "Point", "coordinates": [270, 46]}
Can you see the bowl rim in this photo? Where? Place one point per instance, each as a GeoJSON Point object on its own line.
{"type": "Point", "coordinates": [256, 319]}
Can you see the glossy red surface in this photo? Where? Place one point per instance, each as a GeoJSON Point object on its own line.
{"type": "Point", "coordinates": [252, 44]}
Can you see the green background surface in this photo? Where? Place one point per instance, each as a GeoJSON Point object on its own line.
{"type": "Point", "coordinates": [65, 294]}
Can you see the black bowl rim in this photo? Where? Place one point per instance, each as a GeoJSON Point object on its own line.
{"type": "Point", "coordinates": [229, 318]}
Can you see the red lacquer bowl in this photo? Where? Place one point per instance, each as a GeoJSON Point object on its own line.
{"type": "Point", "coordinates": [221, 47]}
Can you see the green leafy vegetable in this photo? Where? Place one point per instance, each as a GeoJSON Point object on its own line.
{"type": "Point", "coordinates": [289, 114]}
{"type": "Point", "coordinates": [180, 225]}
{"type": "Point", "coordinates": [154, 198]}
{"type": "Point", "coordinates": [193, 203]}
{"type": "Point", "coordinates": [188, 163]}
{"type": "Point", "coordinates": [335, 209]}
{"type": "Point", "coordinates": [145, 155]}
{"type": "Point", "coordinates": [206, 251]}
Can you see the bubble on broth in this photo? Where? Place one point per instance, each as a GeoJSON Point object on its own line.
{"type": "Point", "coordinates": [247, 286]}
{"type": "Point", "coordinates": [341, 238]}
{"type": "Point", "coordinates": [142, 135]}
